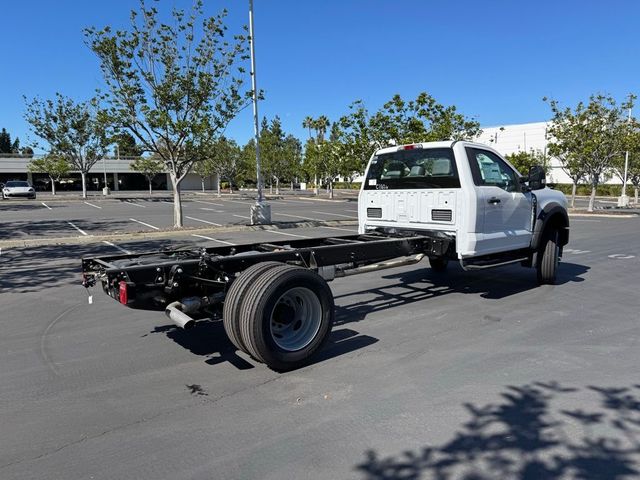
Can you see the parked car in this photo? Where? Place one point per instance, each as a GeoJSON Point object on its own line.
{"type": "Point", "coordinates": [18, 188]}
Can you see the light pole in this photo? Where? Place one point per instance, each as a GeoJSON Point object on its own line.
{"type": "Point", "coordinates": [623, 201]}
{"type": "Point", "coordinates": [261, 211]}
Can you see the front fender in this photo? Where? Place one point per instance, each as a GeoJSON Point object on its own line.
{"type": "Point", "coordinates": [555, 215]}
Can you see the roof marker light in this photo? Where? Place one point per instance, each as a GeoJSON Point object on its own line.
{"type": "Point", "coordinates": [409, 147]}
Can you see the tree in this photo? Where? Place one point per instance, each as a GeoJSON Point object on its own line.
{"type": "Point", "coordinates": [225, 158]}
{"type": "Point", "coordinates": [55, 166]}
{"type": "Point", "coordinates": [5, 141]}
{"type": "Point", "coordinates": [174, 86]}
{"type": "Point", "coordinates": [149, 167]}
{"type": "Point", "coordinates": [6, 145]}
{"type": "Point", "coordinates": [76, 131]}
{"type": "Point", "coordinates": [313, 153]}
{"type": "Point", "coordinates": [589, 137]}
{"type": "Point", "coordinates": [523, 161]}
{"type": "Point", "coordinates": [632, 147]}
{"type": "Point", "coordinates": [419, 120]}
{"type": "Point", "coordinates": [204, 169]}
{"type": "Point", "coordinates": [280, 153]}
{"type": "Point", "coordinates": [126, 145]}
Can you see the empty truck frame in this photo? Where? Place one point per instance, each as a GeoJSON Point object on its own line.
{"type": "Point", "coordinates": [446, 201]}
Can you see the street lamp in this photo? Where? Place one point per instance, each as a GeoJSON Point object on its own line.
{"type": "Point", "coordinates": [261, 211]}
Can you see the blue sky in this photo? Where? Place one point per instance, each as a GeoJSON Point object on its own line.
{"type": "Point", "coordinates": [494, 60]}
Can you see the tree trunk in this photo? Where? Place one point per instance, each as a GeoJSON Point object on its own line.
{"type": "Point", "coordinates": [177, 201]}
{"type": "Point", "coordinates": [84, 184]}
{"type": "Point", "coordinates": [331, 188]}
{"type": "Point", "coordinates": [292, 185]}
{"type": "Point", "coordinates": [218, 184]}
{"type": "Point", "coordinates": [315, 185]}
{"type": "Point", "coordinates": [53, 186]}
{"type": "Point", "coordinates": [271, 187]}
{"type": "Point", "coordinates": [573, 194]}
{"type": "Point", "coordinates": [202, 183]}
{"type": "Point", "coordinates": [635, 190]}
{"type": "Point", "coordinates": [150, 187]}
{"type": "Point", "coordinates": [277, 186]}
{"type": "Point", "coordinates": [592, 198]}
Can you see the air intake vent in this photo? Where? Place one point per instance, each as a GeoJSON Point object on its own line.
{"type": "Point", "coordinates": [441, 215]}
{"type": "Point", "coordinates": [377, 213]}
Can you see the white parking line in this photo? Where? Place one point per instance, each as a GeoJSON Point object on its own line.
{"type": "Point", "coordinates": [46, 205]}
{"type": "Point", "coordinates": [209, 203]}
{"type": "Point", "coordinates": [134, 204]}
{"type": "Point", "coordinates": [211, 210]}
{"type": "Point", "coordinates": [236, 201]}
{"type": "Point", "coordinates": [145, 224]}
{"type": "Point", "coordinates": [203, 221]}
{"type": "Point", "coordinates": [344, 229]}
{"type": "Point", "coordinates": [212, 239]}
{"type": "Point", "coordinates": [336, 214]}
{"type": "Point", "coordinates": [298, 217]}
{"type": "Point", "coordinates": [79, 229]}
{"type": "Point", "coordinates": [123, 250]}
{"type": "Point", "coordinates": [288, 234]}
{"type": "Point", "coordinates": [354, 211]}
{"type": "Point", "coordinates": [242, 216]}
{"type": "Point", "coordinates": [92, 205]}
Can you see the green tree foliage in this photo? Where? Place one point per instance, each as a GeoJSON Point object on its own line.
{"type": "Point", "coordinates": [226, 160]}
{"type": "Point", "coordinates": [174, 86]}
{"type": "Point", "coordinates": [126, 145]}
{"type": "Point", "coordinates": [314, 153]}
{"type": "Point", "coordinates": [149, 167]}
{"type": "Point", "coordinates": [523, 161]}
{"type": "Point", "coordinates": [54, 165]}
{"type": "Point", "coordinates": [420, 120]}
{"type": "Point", "coordinates": [76, 131]}
{"type": "Point", "coordinates": [632, 146]}
{"type": "Point", "coordinates": [588, 138]}
{"type": "Point", "coordinates": [5, 141]}
{"type": "Point", "coordinates": [280, 153]}
{"type": "Point", "coordinates": [6, 145]}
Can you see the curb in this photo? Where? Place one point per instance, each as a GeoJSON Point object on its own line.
{"type": "Point", "coordinates": [168, 234]}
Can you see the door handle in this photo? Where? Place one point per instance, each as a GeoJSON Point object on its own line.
{"type": "Point", "coordinates": [494, 200]}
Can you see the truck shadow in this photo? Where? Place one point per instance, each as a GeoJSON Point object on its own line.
{"type": "Point", "coordinates": [542, 430]}
{"type": "Point", "coordinates": [423, 283]}
{"type": "Point", "coordinates": [208, 339]}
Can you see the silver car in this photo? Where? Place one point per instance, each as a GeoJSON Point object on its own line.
{"type": "Point", "coordinates": [18, 189]}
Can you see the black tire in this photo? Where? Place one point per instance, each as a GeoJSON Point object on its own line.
{"type": "Point", "coordinates": [233, 301]}
{"type": "Point", "coordinates": [287, 293]}
{"type": "Point", "coordinates": [438, 264]}
{"type": "Point", "coordinates": [548, 257]}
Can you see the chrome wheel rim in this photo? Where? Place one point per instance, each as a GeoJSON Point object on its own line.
{"type": "Point", "coordinates": [295, 319]}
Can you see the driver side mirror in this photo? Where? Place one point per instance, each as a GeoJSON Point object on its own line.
{"type": "Point", "coordinates": [537, 178]}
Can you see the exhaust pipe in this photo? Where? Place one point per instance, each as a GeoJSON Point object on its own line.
{"type": "Point", "coordinates": [175, 312]}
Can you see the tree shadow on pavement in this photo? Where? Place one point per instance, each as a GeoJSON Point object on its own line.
{"type": "Point", "coordinates": [423, 284]}
{"type": "Point", "coordinates": [536, 431]}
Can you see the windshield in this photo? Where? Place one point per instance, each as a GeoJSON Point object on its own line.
{"type": "Point", "coordinates": [417, 168]}
{"type": "Point", "coordinates": [17, 184]}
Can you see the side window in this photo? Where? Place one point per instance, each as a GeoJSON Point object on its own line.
{"type": "Point", "coordinates": [490, 170]}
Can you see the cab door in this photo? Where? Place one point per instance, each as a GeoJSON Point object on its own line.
{"type": "Point", "coordinates": [505, 206]}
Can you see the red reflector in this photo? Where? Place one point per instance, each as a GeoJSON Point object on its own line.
{"type": "Point", "coordinates": [124, 296]}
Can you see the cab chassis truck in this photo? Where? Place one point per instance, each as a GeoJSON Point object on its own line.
{"type": "Point", "coordinates": [447, 201]}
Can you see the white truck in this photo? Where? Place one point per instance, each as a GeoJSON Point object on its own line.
{"type": "Point", "coordinates": [468, 193]}
{"type": "Point", "coordinates": [444, 201]}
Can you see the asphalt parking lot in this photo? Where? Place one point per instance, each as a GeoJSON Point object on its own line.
{"type": "Point", "coordinates": [455, 375]}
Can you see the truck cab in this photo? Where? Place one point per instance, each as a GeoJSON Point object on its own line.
{"type": "Point", "coordinates": [469, 193]}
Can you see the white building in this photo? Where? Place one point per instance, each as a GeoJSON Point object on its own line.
{"type": "Point", "coordinates": [523, 137]}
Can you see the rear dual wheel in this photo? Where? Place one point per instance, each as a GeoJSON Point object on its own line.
{"type": "Point", "coordinates": [281, 315]}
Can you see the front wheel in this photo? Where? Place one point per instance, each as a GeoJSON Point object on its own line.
{"type": "Point", "coordinates": [286, 316]}
{"type": "Point", "coordinates": [548, 257]}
